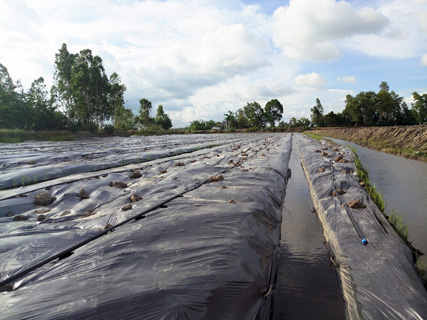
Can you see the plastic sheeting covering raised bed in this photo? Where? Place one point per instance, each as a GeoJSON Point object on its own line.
{"type": "Point", "coordinates": [206, 247]}
{"type": "Point", "coordinates": [35, 161]}
{"type": "Point", "coordinates": [379, 280]}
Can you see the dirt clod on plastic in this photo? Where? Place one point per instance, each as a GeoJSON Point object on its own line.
{"type": "Point", "coordinates": [135, 197]}
{"type": "Point", "coordinates": [325, 154]}
{"type": "Point", "coordinates": [338, 158]}
{"type": "Point", "coordinates": [136, 174]}
{"type": "Point", "coordinates": [232, 201]}
{"type": "Point", "coordinates": [43, 198]}
{"type": "Point", "coordinates": [179, 164]}
{"type": "Point", "coordinates": [43, 210]}
{"type": "Point", "coordinates": [83, 194]}
{"type": "Point", "coordinates": [88, 213]}
{"type": "Point", "coordinates": [118, 184]}
{"type": "Point", "coordinates": [356, 204]}
{"type": "Point", "coordinates": [41, 217]}
{"type": "Point", "coordinates": [127, 207]}
{"type": "Point", "coordinates": [339, 191]}
{"type": "Point", "coordinates": [218, 177]}
{"type": "Point", "coordinates": [20, 218]}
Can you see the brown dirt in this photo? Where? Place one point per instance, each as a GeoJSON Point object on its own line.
{"type": "Point", "coordinates": [407, 141]}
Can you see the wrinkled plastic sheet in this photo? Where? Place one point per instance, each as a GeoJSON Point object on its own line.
{"type": "Point", "coordinates": [379, 280]}
{"type": "Point", "coordinates": [37, 161]}
{"type": "Point", "coordinates": [210, 253]}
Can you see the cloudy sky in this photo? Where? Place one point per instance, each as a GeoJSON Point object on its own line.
{"type": "Point", "coordinates": [202, 58]}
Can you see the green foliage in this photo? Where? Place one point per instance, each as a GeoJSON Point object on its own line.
{"type": "Point", "coordinates": [317, 114]}
{"type": "Point", "coordinates": [377, 109]}
{"type": "Point", "coordinates": [273, 111]}
{"type": "Point", "coordinates": [399, 225]}
{"type": "Point", "coordinates": [84, 91]}
{"type": "Point", "coordinates": [395, 220]}
{"type": "Point", "coordinates": [202, 125]}
{"type": "Point", "coordinates": [162, 119]}
{"type": "Point", "coordinates": [108, 128]}
{"type": "Point", "coordinates": [144, 112]}
{"type": "Point", "coordinates": [17, 135]}
{"type": "Point", "coordinates": [255, 115]}
{"type": "Point", "coordinates": [419, 108]}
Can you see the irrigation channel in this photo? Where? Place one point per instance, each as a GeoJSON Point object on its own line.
{"type": "Point", "coordinates": [307, 284]}
{"type": "Point", "coordinates": [403, 183]}
{"type": "Point", "coordinates": [196, 227]}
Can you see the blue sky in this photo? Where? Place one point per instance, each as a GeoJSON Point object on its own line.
{"type": "Point", "coordinates": [202, 58]}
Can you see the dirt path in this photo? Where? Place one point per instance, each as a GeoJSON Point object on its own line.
{"type": "Point", "coordinates": [408, 141]}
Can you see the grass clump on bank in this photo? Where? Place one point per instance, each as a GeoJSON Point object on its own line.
{"type": "Point", "coordinates": [317, 137]}
{"type": "Point", "coordinates": [396, 221]}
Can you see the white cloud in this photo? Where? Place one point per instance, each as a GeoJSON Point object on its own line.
{"type": "Point", "coordinates": [404, 37]}
{"type": "Point", "coordinates": [424, 60]}
{"type": "Point", "coordinates": [310, 80]}
{"type": "Point", "coordinates": [311, 29]}
{"type": "Point", "coordinates": [200, 59]}
{"type": "Point", "coordinates": [348, 79]}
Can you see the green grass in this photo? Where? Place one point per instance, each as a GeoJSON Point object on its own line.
{"type": "Point", "coordinates": [396, 221]}
{"type": "Point", "coordinates": [16, 136]}
{"type": "Point", "coordinates": [399, 225]}
{"type": "Point", "coordinates": [313, 135]}
{"type": "Point", "coordinates": [317, 137]}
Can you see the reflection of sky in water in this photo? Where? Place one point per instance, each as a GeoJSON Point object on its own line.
{"type": "Point", "coordinates": [308, 286]}
{"type": "Point", "coordinates": [403, 182]}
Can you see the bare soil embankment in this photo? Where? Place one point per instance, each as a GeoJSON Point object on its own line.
{"type": "Point", "coordinates": [406, 141]}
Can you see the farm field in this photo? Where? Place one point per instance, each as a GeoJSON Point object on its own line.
{"type": "Point", "coordinates": [181, 227]}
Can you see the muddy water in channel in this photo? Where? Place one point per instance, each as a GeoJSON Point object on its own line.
{"type": "Point", "coordinates": [307, 285]}
{"type": "Point", "coordinates": [403, 183]}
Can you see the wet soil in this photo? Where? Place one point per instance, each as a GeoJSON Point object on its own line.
{"type": "Point", "coordinates": [308, 286]}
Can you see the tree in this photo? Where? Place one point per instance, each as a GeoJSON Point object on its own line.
{"type": "Point", "coordinates": [13, 107]}
{"type": "Point", "coordinates": [419, 108]}
{"type": "Point", "coordinates": [317, 114]}
{"type": "Point", "coordinates": [293, 122]}
{"type": "Point", "coordinates": [255, 115]}
{"type": "Point", "coordinates": [352, 108]}
{"type": "Point", "coordinates": [83, 90]}
{"type": "Point", "coordinates": [241, 119]}
{"type": "Point", "coordinates": [231, 120]}
{"type": "Point", "coordinates": [388, 106]}
{"type": "Point", "coordinates": [144, 112]}
{"type": "Point", "coordinates": [163, 119]}
{"type": "Point", "coordinates": [44, 116]}
{"type": "Point", "coordinates": [273, 110]}
{"type": "Point", "coordinates": [303, 122]}
{"type": "Point", "coordinates": [62, 91]}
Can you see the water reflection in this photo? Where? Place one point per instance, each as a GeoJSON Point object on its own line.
{"type": "Point", "coordinates": [403, 182]}
{"type": "Point", "coordinates": [308, 285]}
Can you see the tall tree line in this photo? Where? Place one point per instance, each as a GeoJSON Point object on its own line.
{"type": "Point", "coordinates": [82, 97]}
{"type": "Point", "coordinates": [83, 90]}
{"type": "Point", "coordinates": [382, 108]}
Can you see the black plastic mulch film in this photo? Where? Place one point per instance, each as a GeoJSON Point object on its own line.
{"type": "Point", "coordinates": [204, 249]}
{"type": "Point", "coordinates": [375, 266]}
